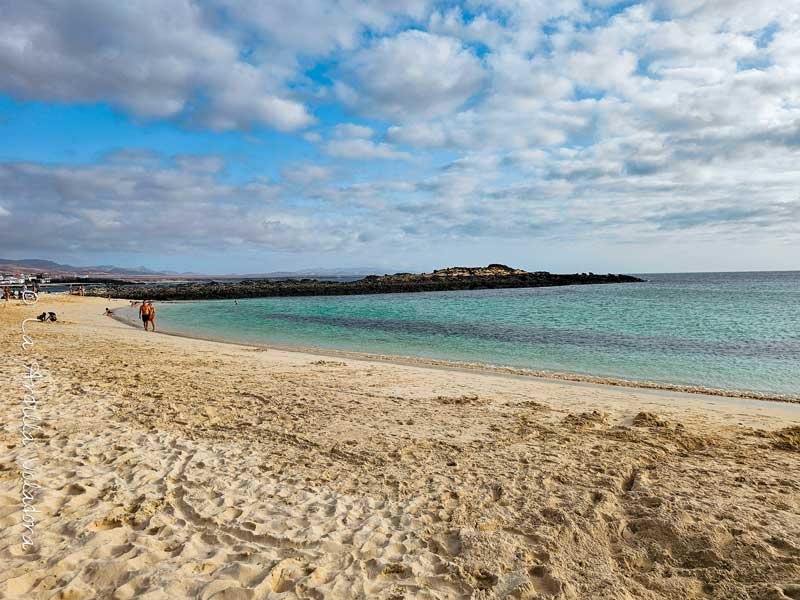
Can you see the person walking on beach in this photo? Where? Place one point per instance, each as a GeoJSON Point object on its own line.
{"type": "Point", "coordinates": [148, 314]}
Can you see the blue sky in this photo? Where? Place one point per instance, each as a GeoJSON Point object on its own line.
{"type": "Point", "coordinates": [232, 136]}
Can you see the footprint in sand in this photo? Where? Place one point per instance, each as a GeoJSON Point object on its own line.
{"type": "Point", "coordinates": [285, 574]}
{"type": "Point", "coordinates": [543, 581]}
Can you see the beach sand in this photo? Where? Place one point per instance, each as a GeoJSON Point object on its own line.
{"type": "Point", "coordinates": [180, 468]}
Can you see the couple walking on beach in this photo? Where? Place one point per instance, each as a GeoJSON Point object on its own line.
{"type": "Point", "coordinates": [148, 314]}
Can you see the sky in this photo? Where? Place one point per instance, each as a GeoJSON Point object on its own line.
{"type": "Point", "coordinates": [232, 136]}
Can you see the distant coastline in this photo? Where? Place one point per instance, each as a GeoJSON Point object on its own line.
{"type": "Point", "coordinates": [493, 276]}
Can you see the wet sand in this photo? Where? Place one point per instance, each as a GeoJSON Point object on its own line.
{"type": "Point", "coordinates": [183, 468]}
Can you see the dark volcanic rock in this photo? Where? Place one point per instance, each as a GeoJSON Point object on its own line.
{"type": "Point", "coordinates": [454, 278]}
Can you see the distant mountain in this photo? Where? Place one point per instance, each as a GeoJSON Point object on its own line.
{"type": "Point", "coordinates": [36, 265]}
{"type": "Point", "coordinates": [31, 263]}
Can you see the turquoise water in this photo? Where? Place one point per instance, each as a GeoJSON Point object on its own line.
{"type": "Point", "coordinates": [738, 331]}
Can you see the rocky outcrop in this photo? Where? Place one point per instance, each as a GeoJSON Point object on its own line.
{"type": "Point", "coordinates": [454, 278]}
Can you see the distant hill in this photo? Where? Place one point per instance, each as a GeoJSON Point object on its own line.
{"type": "Point", "coordinates": [36, 265]}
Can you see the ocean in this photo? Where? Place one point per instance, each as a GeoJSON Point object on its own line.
{"type": "Point", "coordinates": [734, 331]}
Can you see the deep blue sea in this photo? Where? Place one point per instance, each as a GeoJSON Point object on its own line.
{"type": "Point", "coordinates": [737, 331]}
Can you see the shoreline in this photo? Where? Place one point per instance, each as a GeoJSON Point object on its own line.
{"type": "Point", "coordinates": [451, 365]}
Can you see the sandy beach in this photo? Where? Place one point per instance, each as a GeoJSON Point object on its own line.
{"type": "Point", "coordinates": [180, 468]}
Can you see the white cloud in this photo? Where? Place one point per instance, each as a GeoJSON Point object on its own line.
{"type": "Point", "coordinates": [625, 189]}
{"type": "Point", "coordinates": [135, 209]}
{"type": "Point", "coordinates": [239, 106]}
{"type": "Point", "coordinates": [419, 135]}
{"type": "Point", "coordinates": [480, 29]}
{"type": "Point", "coordinates": [200, 163]}
{"type": "Point", "coordinates": [306, 174]}
{"type": "Point", "coordinates": [413, 74]}
{"type": "Point", "coordinates": [524, 20]}
{"type": "Point", "coordinates": [354, 142]}
{"type": "Point", "coordinates": [362, 149]}
{"type": "Point", "coordinates": [315, 27]}
{"type": "Point", "coordinates": [174, 59]}
{"type": "Point", "coordinates": [150, 58]}
{"type": "Point", "coordinates": [351, 130]}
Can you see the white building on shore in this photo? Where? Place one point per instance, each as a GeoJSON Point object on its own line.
{"type": "Point", "coordinates": [21, 279]}
{"type": "Point", "coordinates": [11, 280]}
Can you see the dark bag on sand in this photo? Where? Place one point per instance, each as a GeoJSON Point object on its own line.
{"type": "Point", "coordinates": [51, 316]}
{"type": "Point", "coordinates": [42, 317]}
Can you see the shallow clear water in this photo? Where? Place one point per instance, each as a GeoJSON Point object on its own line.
{"type": "Point", "coordinates": [728, 330]}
